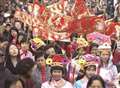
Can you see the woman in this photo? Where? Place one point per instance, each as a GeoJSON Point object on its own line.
{"type": "Point", "coordinates": [107, 70]}
{"type": "Point", "coordinates": [96, 82]}
{"type": "Point", "coordinates": [57, 75]}
{"type": "Point", "coordinates": [12, 57]}
{"type": "Point", "coordinates": [24, 69]}
{"type": "Point", "coordinates": [14, 82]}
{"type": "Point", "coordinates": [13, 37]}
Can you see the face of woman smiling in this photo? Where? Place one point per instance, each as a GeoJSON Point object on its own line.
{"type": "Point", "coordinates": [13, 50]}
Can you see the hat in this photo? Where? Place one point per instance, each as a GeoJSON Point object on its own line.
{"type": "Point", "coordinates": [57, 60]}
{"type": "Point", "coordinates": [37, 42]}
{"type": "Point", "coordinates": [104, 46]}
{"type": "Point", "coordinates": [91, 60]}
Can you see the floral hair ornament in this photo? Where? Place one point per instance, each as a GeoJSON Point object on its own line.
{"type": "Point", "coordinates": [81, 62]}
{"type": "Point", "coordinates": [49, 61]}
{"type": "Point", "coordinates": [82, 42]}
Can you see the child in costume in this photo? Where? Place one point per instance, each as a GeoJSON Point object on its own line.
{"type": "Point", "coordinates": [57, 75]}
{"type": "Point", "coordinates": [24, 51]}
{"type": "Point", "coordinates": [107, 70]}
{"type": "Point", "coordinates": [90, 69]}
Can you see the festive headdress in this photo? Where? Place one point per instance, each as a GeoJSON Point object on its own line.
{"type": "Point", "coordinates": [56, 60]}
{"type": "Point", "coordinates": [37, 42]}
{"type": "Point", "coordinates": [104, 46]}
{"type": "Point", "coordinates": [98, 38]}
{"type": "Point", "coordinates": [80, 63]}
{"type": "Point", "coordinates": [82, 42]}
{"type": "Point", "coordinates": [91, 60]}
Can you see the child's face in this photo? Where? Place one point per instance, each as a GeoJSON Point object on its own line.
{"type": "Point", "coordinates": [105, 56]}
{"type": "Point", "coordinates": [90, 71]}
{"type": "Point", "coordinates": [57, 74]}
{"type": "Point", "coordinates": [24, 46]}
{"type": "Point", "coordinates": [94, 51]}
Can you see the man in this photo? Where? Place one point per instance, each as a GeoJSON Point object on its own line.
{"type": "Point", "coordinates": [41, 72]}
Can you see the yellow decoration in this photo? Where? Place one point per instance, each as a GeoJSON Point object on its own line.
{"type": "Point", "coordinates": [49, 61]}
{"type": "Point", "coordinates": [38, 42]}
{"type": "Point", "coordinates": [81, 63]}
{"type": "Point", "coordinates": [82, 42]}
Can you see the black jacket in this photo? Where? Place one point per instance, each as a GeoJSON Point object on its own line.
{"type": "Point", "coordinates": [4, 74]}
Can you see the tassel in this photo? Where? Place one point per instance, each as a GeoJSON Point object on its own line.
{"type": "Point", "coordinates": [43, 73]}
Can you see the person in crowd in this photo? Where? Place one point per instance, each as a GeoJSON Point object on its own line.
{"type": "Point", "coordinates": [6, 32]}
{"type": "Point", "coordinates": [13, 37]}
{"type": "Point", "coordinates": [117, 13]}
{"type": "Point", "coordinates": [90, 69]}
{"type": "Point", "coordinates": [57, 75]}
{"type": "Point", "coordinates": [42, 71]}
{"type": "Point", "coordinates": [117, 81]}
{"type": "Point", "coordinates": [24, 69]}
{"type": "Point", "coordinates": [24, 51]}
{"type": "Point", "coordinates": [4, 72]}
{"type": "Point", "coordinates": [116, 54]}
{"type": "Point", "coordinates": [94, 49]}
{"type": "Point", "coordinates": [50, 51]}
{"type": "Point", "coordinates": [14, 82]}
{"type": "Point", "coordinates": [19, 26]}
{"type": "Point", "coordinates": [106, 65]}
{"type": "Point", "coordinates": [12, 57]}
{"type": "Point", "coordinates": [96, 82]}
{"type": "Point", "coordinates": [21, 37]}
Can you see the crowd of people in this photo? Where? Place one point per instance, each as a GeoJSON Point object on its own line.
{"type": "Point", "coordinates": [87, 58]}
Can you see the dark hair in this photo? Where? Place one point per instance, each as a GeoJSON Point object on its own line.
{"type": "Point", "coordinates": [11, 80]}
{"type": "Point", "coordinates": [39, 54]}
{"type": "Point", "coordinates": [96, 77]}
{"type": "Point", "coordinates": [11, 37]}
{"type": "Point", "coordinates": [8, 61]}
{"type": "Point", "coordinates": [58, 68]}
{"type": "Point", "coordinates": [90, 66]}
{"type": "Point", "coordinates": [24, 40]}
{"type": "Point", "coordinates": [73, 35]}
{"type": "Point", "coordinates": [24, 66]}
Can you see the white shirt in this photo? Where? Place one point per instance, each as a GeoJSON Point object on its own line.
{"type": "Point", "coordinates": [53, 84]}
